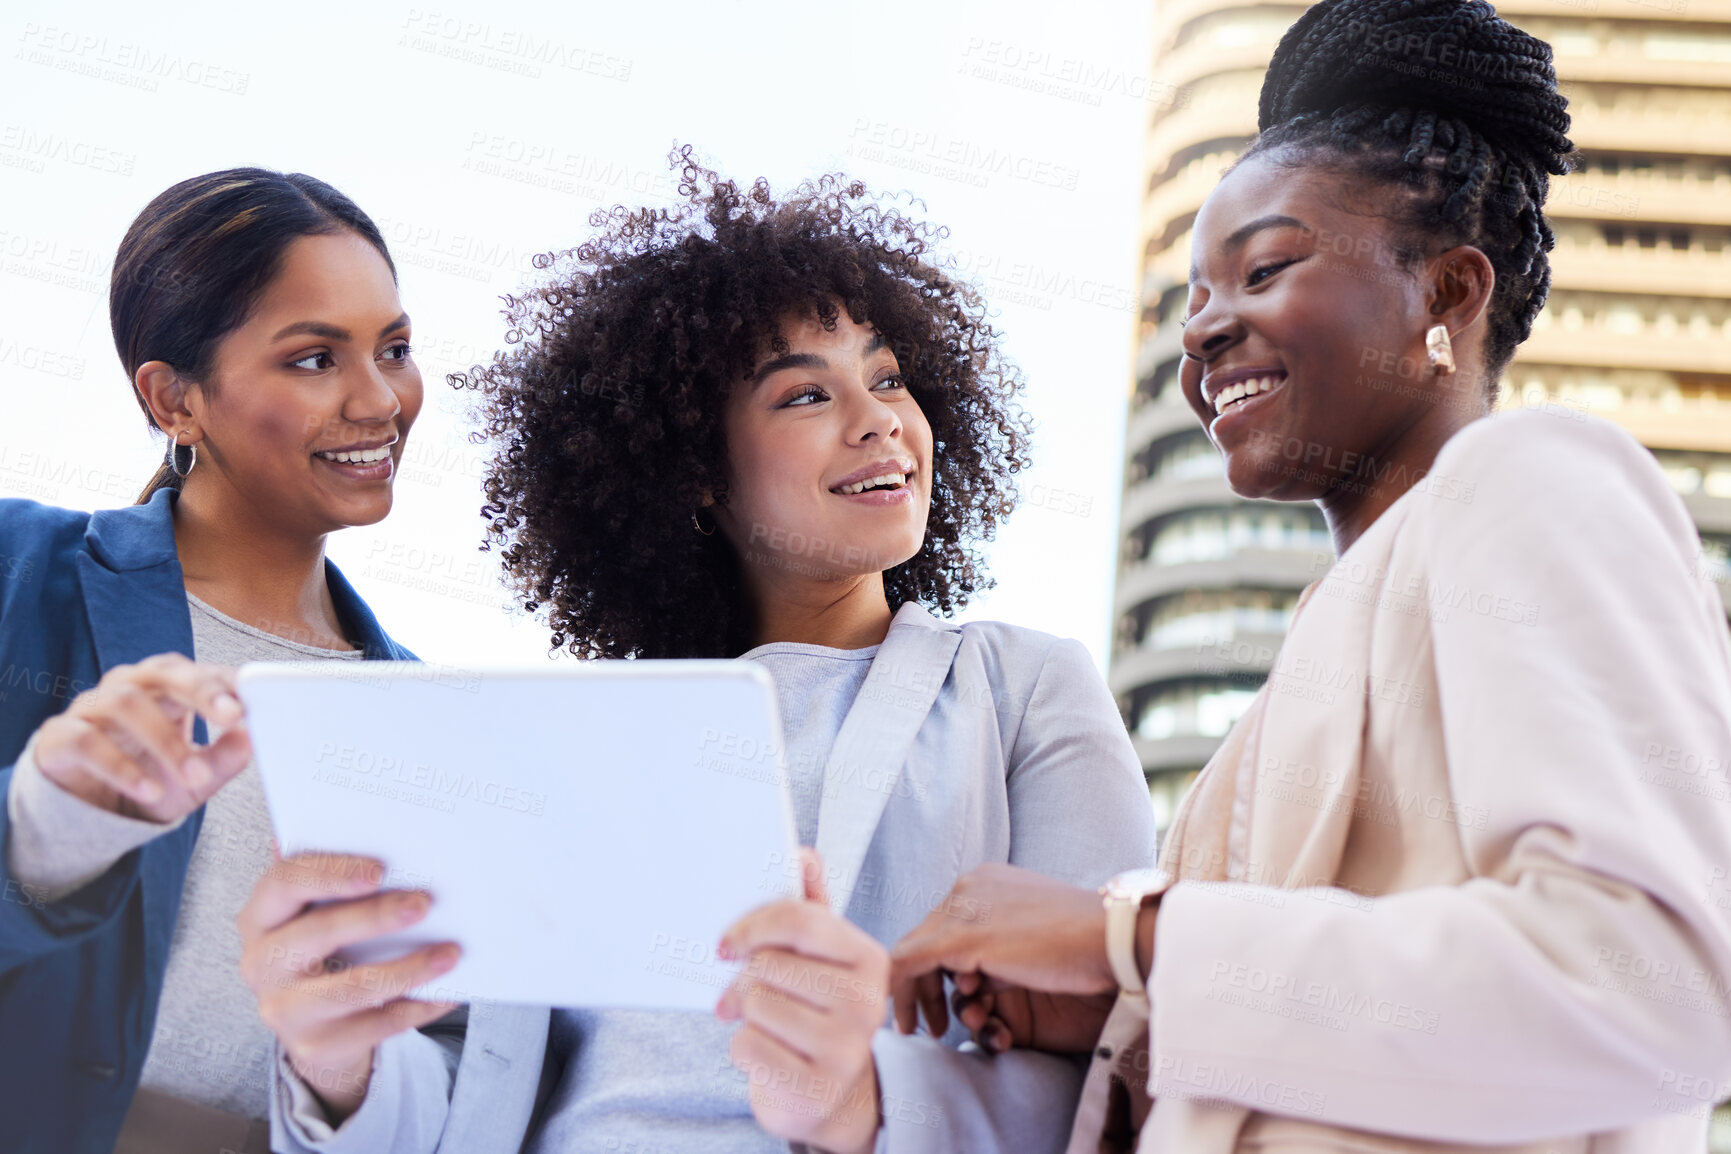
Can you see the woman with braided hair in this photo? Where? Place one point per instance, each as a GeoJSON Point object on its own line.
{"type": "Point", "coordinates": [1448, 884]}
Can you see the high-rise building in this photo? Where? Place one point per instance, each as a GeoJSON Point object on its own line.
{"type": "Point", "coordinates": [1637, 329]}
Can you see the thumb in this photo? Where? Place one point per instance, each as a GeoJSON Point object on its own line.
{"type": "Point", "coordinates": [227, 757]}
{"type": "Point", "coordinates": [811, 867]}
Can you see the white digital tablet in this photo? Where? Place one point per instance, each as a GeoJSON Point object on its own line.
{"type": "Point", "coordinates": [586, 833]}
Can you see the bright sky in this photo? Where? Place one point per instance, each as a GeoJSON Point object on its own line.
{"type": "Point", "coordinates": [479, 134]}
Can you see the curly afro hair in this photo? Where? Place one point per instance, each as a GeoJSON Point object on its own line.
{"type": "Point", "coordinates": [605, 408]}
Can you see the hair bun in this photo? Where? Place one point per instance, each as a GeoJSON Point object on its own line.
{"type": "Point", "coordinates": [1455, 58]}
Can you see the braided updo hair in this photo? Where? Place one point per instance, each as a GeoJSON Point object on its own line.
{"type": "Point", "coordinates": [1445, 99]}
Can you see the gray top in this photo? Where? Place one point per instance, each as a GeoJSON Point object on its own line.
{"type": "Point", "coordinates": [662, 1083]}
{"type": "Point", "coordinates": [965, 744]}
{"type": "Point", "coordinates": [209, 1046]}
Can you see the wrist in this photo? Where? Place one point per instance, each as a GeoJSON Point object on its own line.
{"type": "Point", "coordinates": [1127, 898]}
{"type": "Point", "coordinates": [340, 1090]}
{"type": "Point", "coordinates": [1145, 938]}
{"type": "Point", "coordinates": [857, 1120]}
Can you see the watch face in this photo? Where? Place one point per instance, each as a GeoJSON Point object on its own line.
{"type": "Point", "coordinates": [1135, 883]}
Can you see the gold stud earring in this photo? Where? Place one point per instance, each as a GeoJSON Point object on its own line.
{"type": "Point", "coordinates": [1438, 349]}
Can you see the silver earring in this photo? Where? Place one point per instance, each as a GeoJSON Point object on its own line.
{"type": "Point", "coordinates": [1438, 349]}
{"type": "Point", "coordinates": [698, 525]}
{"type": "Point", "coordinates": [181, 458]}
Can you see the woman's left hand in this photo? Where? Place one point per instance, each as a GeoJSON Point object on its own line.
{"type": "Point", "coordinates": [811, 997]}
{"type": "Point", "coordinates": [1011, 925]}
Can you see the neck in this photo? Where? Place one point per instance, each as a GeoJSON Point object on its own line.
{"type": "Point", "coordinates": [1402, 462]}
{"type": "Point", "coordinates": [264, 575]}
{"type": "Point", "coordinates": [851, 613]}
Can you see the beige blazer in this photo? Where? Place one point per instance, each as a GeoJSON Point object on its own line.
{"type": "Point", "coordinates": [1458, 879]}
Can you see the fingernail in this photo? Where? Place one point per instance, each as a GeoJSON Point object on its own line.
{"type": "Point", "coordinates": [197, 771]}
{"type": "Point", "coordinates": [446, 956]}
{"type": "Point", "coordinates": [225, 703]}
{"type": "Point", "coordinates": [411, 906]}
{"type": "Point", "coordinates": [725, 950]}
{"type": "Point", "coordinates": [150, 790]}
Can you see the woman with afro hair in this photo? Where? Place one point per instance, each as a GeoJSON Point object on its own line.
{"type": "Point", "coordinates": [1456, 880]}
{"type": "Point", "coordinates": [777, 430]}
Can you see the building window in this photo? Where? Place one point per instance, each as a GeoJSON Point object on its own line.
{"type": "Point", "coordinates": [1708, 473]}
{"type": "Point", "coordinates": [1191, 710]}
{"type": "Point", "coordinates": [1215, 534]}
{"type": "Point", "coordinates": [1166, 790]}
{"type": "Point", "coordinates": [1186, 458]}
{"type": "Point", "coordinates": [1209, 617]}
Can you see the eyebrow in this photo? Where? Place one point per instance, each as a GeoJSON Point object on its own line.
{"type": "Point", "coordinates": [1245, 232]}
{"type": "Point", "coordinates": [334, 333]}
{"type": "Point", "coordinates": [807, 360]}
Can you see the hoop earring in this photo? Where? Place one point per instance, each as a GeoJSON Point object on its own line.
{"type": "Point", "coordinates": [1438, 349]}
{"type": "Point", "coordinates": [698, 525]}
{"type": "Point", "coordinates": [181, 458]}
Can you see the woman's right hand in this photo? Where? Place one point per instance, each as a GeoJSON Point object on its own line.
{"type": "Point", "coordinates": [329, 1016]}
{"type": "Point", "coordinates": [126, 745]}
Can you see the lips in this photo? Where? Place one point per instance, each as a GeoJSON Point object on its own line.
{"type": "Point", "coordinates": [879, 476]}
{"type": "Point", "coordinates": [1240, 392]}
{"type": "Point", "coordinates": [361, 462]}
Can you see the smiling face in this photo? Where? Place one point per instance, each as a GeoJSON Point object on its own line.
{"type": "Point", "coordinates": [829, 457]}
{"type": "Point", "coordinates": [312, 397]}
{"type": "Point", "coordinates": [1304, 344]}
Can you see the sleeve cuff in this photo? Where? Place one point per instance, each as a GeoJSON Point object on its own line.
{"type": "Point", "coordinates": [408, 1097]}
{"type": "Point", "coordinates": [59, 842]}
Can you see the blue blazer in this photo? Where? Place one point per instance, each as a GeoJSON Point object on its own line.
{"type": "Point", "coordinates": [80, 977]}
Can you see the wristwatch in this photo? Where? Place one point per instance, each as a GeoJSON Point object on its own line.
{"type": "Point", "coordinates": [1124, 896]}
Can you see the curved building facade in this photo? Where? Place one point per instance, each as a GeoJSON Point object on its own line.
{"type": "Point", "coordinates": [1637, 329]}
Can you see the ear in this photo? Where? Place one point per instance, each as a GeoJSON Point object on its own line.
{"type": "Point", "coordinates": [1459, 290]}
{"type": "Point", "coordinates": [165, 394]}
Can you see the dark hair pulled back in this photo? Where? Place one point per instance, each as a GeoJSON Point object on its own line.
{"type": "Point", "coordinates": [197, 258]}
{"type": "Point", "coordinates": [1443, 98]}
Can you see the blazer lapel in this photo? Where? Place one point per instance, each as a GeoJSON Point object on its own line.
{"type": "Point", "coordinates": [134, 592]}
{"type": "Point", "coordinates": [135, 599]}
{"type": "Point", "coordinates": [1306, 780]}
{"type": "Point", "coordinates": [362, 626]}
{"type": "Point", "coordinates": [866, 761]}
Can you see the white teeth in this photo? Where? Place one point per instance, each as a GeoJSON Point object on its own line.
{"type": "Point", "coordinates": [874, 482]}
{"type": "Point", "coordinates": [1241, 389]}
{"type": "Point", "coordinates": [358, 456]}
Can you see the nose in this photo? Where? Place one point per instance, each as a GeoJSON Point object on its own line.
{"type": "Point", "coordinates": [371, 399]}
{"type": "Point", "coordinates": [1211, 330]}
{"type": "Point", "coordinates": [872, 419]}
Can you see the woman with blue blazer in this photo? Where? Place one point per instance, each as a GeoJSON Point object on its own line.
{"type": "Point", "coordinates": [257, 314]}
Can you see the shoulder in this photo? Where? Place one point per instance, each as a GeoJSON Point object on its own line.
{"type": "Point", "coordinates": [1547, 450]}
{"type": "Point", "coordinates": [1552, 466]}
{"type": "Point", "coordinates": [1014, 644]}
{"type": "Point", "coordinates": [30, 524]}
{"type": "Point", "coordinates": [1017, 658]}
{"type": "Point", "coordinates": [37, 546]}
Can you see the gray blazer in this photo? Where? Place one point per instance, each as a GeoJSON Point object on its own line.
{"type": "Point", "coordinates": [967, 743]}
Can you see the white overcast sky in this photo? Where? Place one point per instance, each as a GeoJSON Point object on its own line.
{"type": "Point", "coordinates": [478, 134]}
